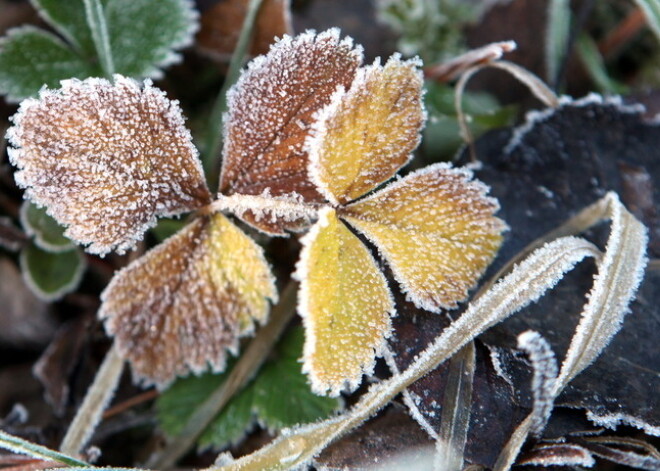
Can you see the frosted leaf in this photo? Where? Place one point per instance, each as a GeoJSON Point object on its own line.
{"type": "Point", "coordinates": [436, 229]}
{"type": "Point", "coordinates": [345, 305]}
{"type": "Point", "coordinates": [106, 159]}
{"type": "Point", "coordinates": [367, 133]}
{"type": "Point", "coordinates": [183, 304]}
{"type": "Point", "coordinates": [271, 109]}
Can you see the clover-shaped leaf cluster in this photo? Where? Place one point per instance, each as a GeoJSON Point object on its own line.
{"type": "Point", "coordinates": [310, 137]}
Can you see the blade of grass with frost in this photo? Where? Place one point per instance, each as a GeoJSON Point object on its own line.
{"type": "Point", "coordinates": [18, 445]}
{"type": "Point", "coordinates": [556, 40]}
{"type": "Point", "coordinates": [525, 284]}
{"type": "Point", "coordinates": [213, 141]}
{"type": "Point", "coordinates": [456, 409]}
{"type": "Point", "coordinates": [651, 9]}
{"type": "Point", "coordinates": [620, 271]}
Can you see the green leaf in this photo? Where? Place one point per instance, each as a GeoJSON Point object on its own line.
{"type": "Point", "coordinates": [69, 19]}
{"type": "Point", "coordinates": [278, 397]}
{"type": "Point", "coordinates": [30, 58]}
{"type": "Point", "coordinates": [51, 275]}
{"type": "Point", "coordinates": [48, 234]}
{"type": "Point", "coordinates": [144, 34]}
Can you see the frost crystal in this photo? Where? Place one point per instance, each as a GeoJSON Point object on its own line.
{"type": "Point", "coordinates": [105, 159]}
{"type": "Point", "coordinates": [271, 109]}
{"type": "Point", "coordinates": [186, 302]}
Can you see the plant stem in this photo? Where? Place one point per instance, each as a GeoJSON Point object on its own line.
{"type": "Point", "coordinates": [99, 28]}
{"type": "Point", "coordinates": [18, 445]}
{"type": "Point", "coordinates": [214, 135]}
{"type": "Point", "coordinates": [244, 370]}
{"type": "Point", "coordinates": [97, 397]}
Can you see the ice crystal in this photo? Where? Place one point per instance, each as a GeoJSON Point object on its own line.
{"type": "Point", "coordinates": [106, 159]}
{"type": "Point", "coordinates": [186, 302]}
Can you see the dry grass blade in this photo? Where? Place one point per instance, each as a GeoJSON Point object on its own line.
{"type": "Point", "coordinates": [526, 283]}
{"type": "Point", "coordinates": [620, 271]}
{"type": "Point", "coordinates": [527, 78]}
{"type": "Point", "coordinates": [456, 408]}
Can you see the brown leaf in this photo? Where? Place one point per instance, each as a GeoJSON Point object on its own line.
{"type": "Point", "coordinates": [106, 159]}
{"type": "Point", "coordinates": [179, 307]}
{"type": "Point", "coordinates": [221, 25]}
{"type": "Point", "coordinates": [271, 110]}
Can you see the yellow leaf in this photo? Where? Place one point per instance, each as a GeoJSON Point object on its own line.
{"type": "Point", "coordinates": [105, 159]}
{"type": "Point", "coordinates": [367, 133]}
{"type": "Point", "coordinates": [437, 231]}
{"type": "Point", "coordinates": [345, 304]}
{"type": "Point", "coordinates": [183, 304]}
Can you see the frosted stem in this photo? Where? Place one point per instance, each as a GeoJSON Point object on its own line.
{"type": "Point", "coordinates": [97, 398]}
{"type": "Point", "coordinates": [287, 208]}
{"type": "Point", "coordinates": [244, 370]}
{"type": "Point", "coordinates": [99, 28]}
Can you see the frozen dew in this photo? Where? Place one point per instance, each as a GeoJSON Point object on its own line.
{"type": "Point", "coordinates": [181, 306]}
{"type": "Point", "coordinates": [105, 159]}
{"type": "Point", "coordinates": [345, 304]}
{"type": "Point", "coordinates": [271, 110]}
{"type": "Point", "coordinates": [437, 230]}
{"type": "Point", "coordinates": [367, 133]}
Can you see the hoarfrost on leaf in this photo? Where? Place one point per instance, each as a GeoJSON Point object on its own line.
{"type": "Point", "coordinates": [271, 110]}
{"type": "Point", "coordinates": [106, 159]}
{"type": "Point", "coordinates": [345, 305]}
{"type": "Point", "coordinates": [367, 133]}
{"type": "Point", "coordinates": [183, 304]}
{"type": "Point", "coordinates": [436, 229]}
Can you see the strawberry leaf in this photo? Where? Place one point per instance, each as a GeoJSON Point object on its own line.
{"type": "Point", "coordinates": [182, 305]}
{"type": "Point", "coordinates": [437, 231]}
{"type": "Point", "coordinates": [106, 159]}
{"type": "Point", "coordinates": [31, 58]}
{"type": "Point", "coordinates": [367, 133]}
{"type": "Point", "coordinates": [51, 275]}
{"type": "Point", "coordinates": [345, 304]}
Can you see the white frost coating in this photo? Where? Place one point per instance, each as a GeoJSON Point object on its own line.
{"type": "Point", "coordinates": [544, 364]}
{"type": "Point", "coordinates": [580, 457]}
{"type": "Point", "coordinates": [614, 288]}
{"type": "Point", "coordinates": [302, 274]}
{"type": "Point", "coordinates": [290, 207]}
{"type": "Point", "coordinates": [106, 159]}
{"type": "Point", "coordinates": [534, 117]}
{"type": "Point", "coordinates": [612, 421]}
